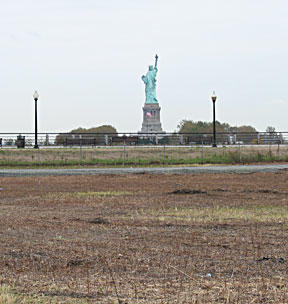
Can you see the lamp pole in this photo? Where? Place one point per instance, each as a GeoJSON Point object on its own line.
{"type": "Point", "coordinates": [214, 97]}
{"type": "Point", "coordinates": [36, 97]}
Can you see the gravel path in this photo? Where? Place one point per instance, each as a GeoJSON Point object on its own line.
{"type": "Point", "coordinates": [158, 170]}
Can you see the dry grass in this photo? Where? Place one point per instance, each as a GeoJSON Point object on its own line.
{"type": "Point", "coordinates": [144, 239]}
{"type": "Point", "coordinates": [88, 194]}
{"type": "Point", "coordinates": [138, 155]}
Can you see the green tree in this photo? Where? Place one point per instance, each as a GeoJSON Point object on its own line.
{"type": "Point", "coordinates": [197, 127]}
{"type": "Point", "coordinates": [190, 126]}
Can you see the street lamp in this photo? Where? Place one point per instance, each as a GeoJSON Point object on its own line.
{"type": "Point", "coordinates": [36, 97]}
{"type": "Point", "coordinates": [214, 97]}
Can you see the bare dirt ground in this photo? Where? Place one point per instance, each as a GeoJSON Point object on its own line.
{"type": "Point", "coordinates": [205, 238]}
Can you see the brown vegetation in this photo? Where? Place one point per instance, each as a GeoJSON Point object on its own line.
{"type": "Point", "coordinates": [138, 155]}
{"type": "Point", "coordinates": [145, 238]}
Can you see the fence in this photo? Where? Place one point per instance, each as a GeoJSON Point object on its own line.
{"type": "Point", "coordinates": [10, 140]}
{"type": "Point", "coordinates": [141, 148]}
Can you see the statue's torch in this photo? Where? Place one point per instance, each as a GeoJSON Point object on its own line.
{"type": "Point", "coordinates": [156, 61]}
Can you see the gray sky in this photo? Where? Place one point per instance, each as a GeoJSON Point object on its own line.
{"type": "Point", "coordinates": [86, 58]}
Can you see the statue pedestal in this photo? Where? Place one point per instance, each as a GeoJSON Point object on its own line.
{"type": "Point", "coordinates": [151, 119]}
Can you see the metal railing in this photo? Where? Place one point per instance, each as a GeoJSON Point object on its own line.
{"type": "Point", "coordinates": [12, 140]}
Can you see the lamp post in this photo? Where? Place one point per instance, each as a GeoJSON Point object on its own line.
{"type": "Point", "coordinates": [214, 97]}
{"type": "Point", "coordinates": [36, 97]}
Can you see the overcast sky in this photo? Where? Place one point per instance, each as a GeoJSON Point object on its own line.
{"type": "Point", "coordinates": [86, 59]}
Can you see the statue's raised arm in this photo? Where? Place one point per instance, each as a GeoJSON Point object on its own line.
{"type": "Point", "coordinates": [156, 61]}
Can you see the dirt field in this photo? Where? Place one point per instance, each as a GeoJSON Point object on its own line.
{"type": "Point", "coordinates": [205, 238]}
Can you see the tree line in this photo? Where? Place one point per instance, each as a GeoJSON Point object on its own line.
{"type": "Point", "coordinates": [190, 126]}
{"type": "Point", "coordinates": [192, 132]}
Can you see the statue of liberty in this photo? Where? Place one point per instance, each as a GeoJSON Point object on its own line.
{"type": "Point", "coordinates": [150, 83]}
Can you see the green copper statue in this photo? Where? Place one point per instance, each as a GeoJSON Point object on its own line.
{"type": "Point", "coordinates": [150, 83]}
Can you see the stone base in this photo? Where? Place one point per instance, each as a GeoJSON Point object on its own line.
{"type": "Point", "coordinates": [151, 123]}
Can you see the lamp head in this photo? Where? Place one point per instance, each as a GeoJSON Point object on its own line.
{"type": "Point", "coordinates": [213, 97]}
{"type": "Point", "coordinates": [35, 95]}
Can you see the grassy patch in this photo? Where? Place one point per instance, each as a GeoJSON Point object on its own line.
{"type": "Point", "coordinates": [259, 213]}
{"type": "Point", "coordinates": [10, 296]}
{"type": "Point", "coordinates": [89, 194]}
{"type": "Point", "coordinates": [139, 156]}
{"type": "Point", "coordinates": [102, 193]}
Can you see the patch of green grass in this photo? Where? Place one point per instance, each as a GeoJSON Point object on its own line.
{"type": "Point", "coordinates": [103, 193]}
{"type": "Point", "coordinates": [259, 213]}
{"type": "Point", "coordinates": [89, 194]}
